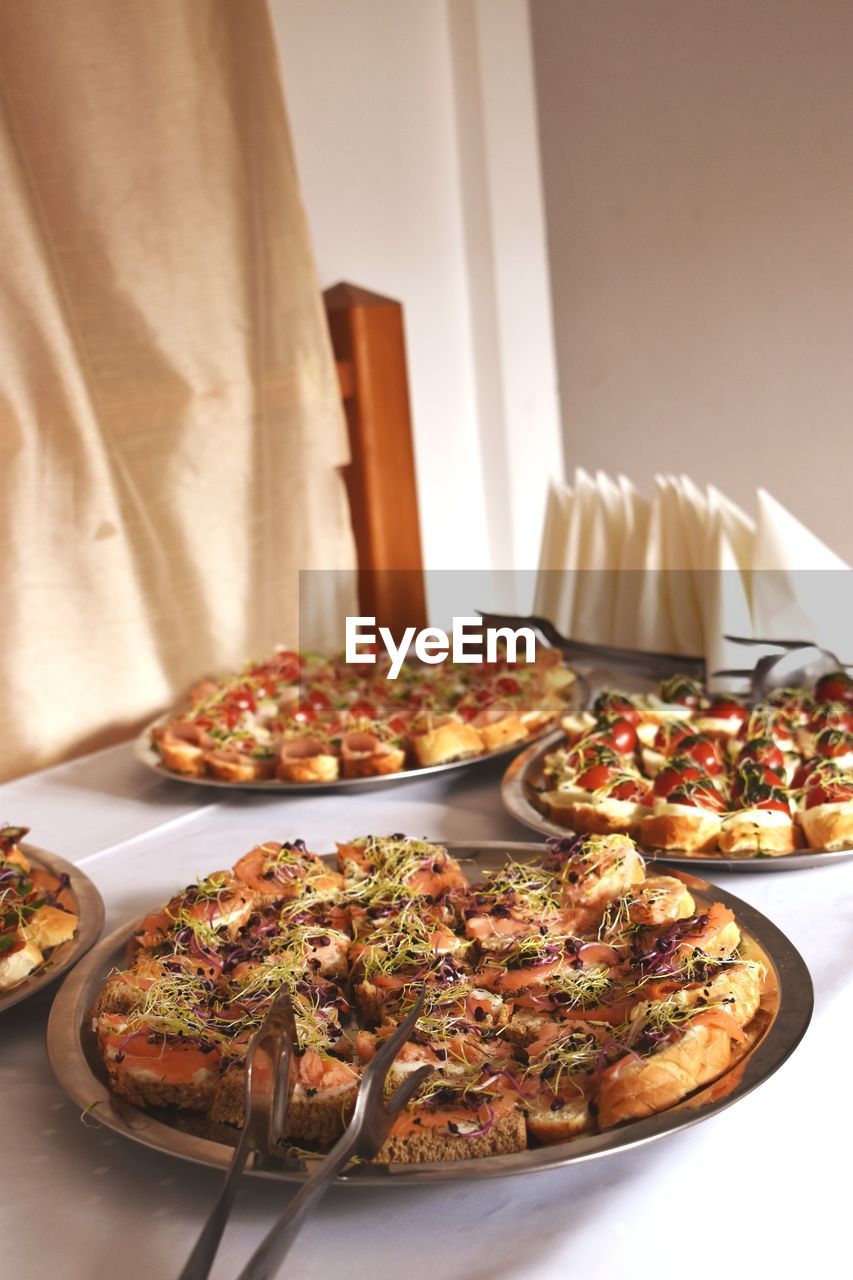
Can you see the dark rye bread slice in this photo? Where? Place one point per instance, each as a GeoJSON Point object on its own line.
{"type": "Point", "coordinates": [318, 1120]}
{"type": "Point", "coordinates": [427, 1146]}
{"type": "Point", "coordinates": [195, 1096]}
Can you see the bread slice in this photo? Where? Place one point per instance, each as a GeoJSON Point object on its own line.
{"type": "Point", "coordinates": [557, 1118]}
{"type": "Point", "coordinates": [750, 838]}
{"type": "Point", "coordinates": [635, 1087]}
{"type": "Point", "coordinates": [828, 826]}
{"type": "Point", "coordinates": [49, 926]}
{"type": "Point", "coordinates": [152, 1071]}
{"type": "Point", "coordinates": [316, 1118]}
{"type": "Point", "coordinates": [17, 965]}
{"type": "Point", "coordinates": [499, 726]}
{"type": "Point", "coordinates": [182, 748]}
{"type": "Point", "coordinates": [435, 1144]}
{"type": "Point", "coordinates": [365, 755]}
{"type": "Point", "coordinates": [307, 760]}
{"type": "Point", "coordinates": [593, 819]}
{"type": "Point", "coordinates": [451, 740]}
{"type": "Point", "coordinates": [232, 765]}
{"type": "Point", "coordinates": [697, 834]}
{"type": "Point", "coordinates": [319, 1119]}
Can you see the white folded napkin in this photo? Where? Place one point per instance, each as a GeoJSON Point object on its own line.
{"type": "Point", "coordinates": [678, 572]}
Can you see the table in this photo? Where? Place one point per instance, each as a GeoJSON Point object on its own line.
{"type": "Point", "coordinates": [763, 1187]}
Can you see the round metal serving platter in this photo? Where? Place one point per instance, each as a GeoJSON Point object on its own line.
{"type": "Point", "coordinates": [147, 754]}
{"type": "Point", "coordinates": [89, 908]}
{"type": "Point", "coordinates": [775, 1032]}
{"type": "Point", "coordinates": [524, 781]}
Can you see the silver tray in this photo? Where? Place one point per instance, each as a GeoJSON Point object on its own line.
{"type": "Point", "coordinates": [148, 755]}
{"type": "Point", "coordinates": [90, 921]}
{"type": "Point", "coordinates": [781, 1022]}
{"type": "Point", "coordinates": [523, 781]}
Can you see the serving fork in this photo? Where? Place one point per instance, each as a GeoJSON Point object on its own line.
{"type": "Point", "coordinates": [269, 1064]}
{"type": "Point", "coordinates": [639, 662]}
{"type": "Point", "coordinates": [370, 1125]}
{"type": "Point", "coordinates": [269, 1061]}
{"type": "Point", "coordinates": [798, 662]}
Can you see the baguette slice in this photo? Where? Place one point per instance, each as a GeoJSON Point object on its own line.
{"type": "Point", "coordinates": [49, 926]}
{"type": "Point", "coordinates": [17, 965]}
{"type": "Point", "coordinates": [364, 755]}
{"type": "Point", "coordinates": [448, 739]}
{"type": "Point", "coordinates": [634, 1087]}
{"type": "Point", "coordinates": [307, 759]}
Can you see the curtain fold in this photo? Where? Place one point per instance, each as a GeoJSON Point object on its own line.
{"type": "Point", "coordinates": [171, 430]}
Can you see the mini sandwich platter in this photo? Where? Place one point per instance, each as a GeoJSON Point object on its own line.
{"type": "Point", "coordinates": [779, 1023]}
{"type": "Point", "coordinates": [84, 900]}
{"type": "Point", "coordinates": [300, 723]}
{"type": "Point", "coordinates": [524, 784]}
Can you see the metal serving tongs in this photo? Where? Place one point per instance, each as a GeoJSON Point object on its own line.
{"type": "Point", "coordinates": [796, 662]}
{"type": "Point", "coordinates": [370, 1125]}
{"type": "Point", "coordinates": [269, 1060]}
{"type": "Point", "coordinates": [640, 663]}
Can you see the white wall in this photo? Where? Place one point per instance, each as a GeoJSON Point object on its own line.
{"type": "Point", "coordinates": [698, 169]}
{"type": "Point", "coordinates": [410, 118]}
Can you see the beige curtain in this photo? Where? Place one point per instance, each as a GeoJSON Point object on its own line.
{"type": "Point", "coordinates": [170, 423]}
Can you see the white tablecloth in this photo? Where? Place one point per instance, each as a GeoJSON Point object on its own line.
{"type": "Point", "coordinates": [764, 1186]}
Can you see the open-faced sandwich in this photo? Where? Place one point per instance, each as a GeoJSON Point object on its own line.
{"type": "Point", "coordinates": [684, 770]}
{"type": "Point", "coordinates": [563, 995]}
{"type": "Point", "coordinates": [304, 718]}
{"type": "Point", "coordinates": [36, 911]}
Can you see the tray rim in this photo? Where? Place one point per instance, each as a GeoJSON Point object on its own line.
{"type": "Point", "coordinates": [518, 805]}
{"type": "Point", "coordinates": [71, 1067]}
{"type": "Point", "coordinates": [90, 922]}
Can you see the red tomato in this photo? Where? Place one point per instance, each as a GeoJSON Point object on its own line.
{"type": "Point", "coordinates": [318, 700]}
{"type": "Point", "coordinates": [702, 751]}
{"type": "Point", "coordinates": [700, 793]}
{"type": "Point", "coordinates": [767, 724]}
{"type": "Point", "coordinates": [615, 706]}
{"type": "Point", "coordinates": [828, 791]}
{"type": "Point", "coordinates": [773, 801]}
{"type": "Point", "coordinates": [673, 776]}
{"type": "Point", "coordinates": [397, 724]}
{"type": "Point", "coordinates": [363, 710]}
{"type": "Point", "coordinates": [751, 775]}
{"type": "Point", "coordinates": [484, 697]}
{"type": "Point", "coordinates": [588, 753]}
{"type": "Point", "coordinates": [285, 666]}
{"type": "Point", "coordinates": [802, 775]}
{"type": "Point", "coordinates": [488, 668]}
{"type": "Point", "coordinates": [303, 714]}
{"type": "Point", "coordinates": [830, 743]}
{"type": "Point", "coordinates": [669, 735]}
{"type": "Point", "coordinates": [726, 709]}
{"type": "Point", "coordinates": [598, 776]}
{"type": "Point", "coordinates": [635, 789]}
{"type": "Point", "coordinates": [620, 734]}
{"type": "Point", "coordinates": [242, 698]}
{"type": "Point", "coordinates": [836, 687]}
{"type": "Point", "coordinates": [681, 689]}
{"type": "Point", "coordinates": [833, 715]}
{"type": "Point", "coordinates": [507, 686]}
{"type": "Point", "coordinates": [762, 751]}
